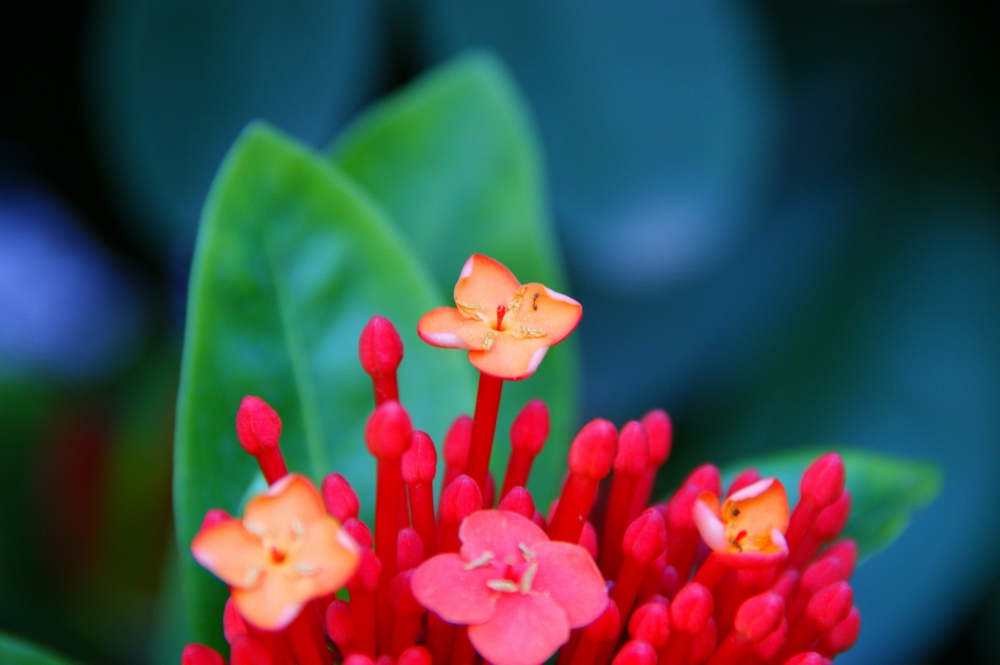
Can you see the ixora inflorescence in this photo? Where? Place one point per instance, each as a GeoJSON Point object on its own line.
{"type": "Point", "coordinates": [704, 576]}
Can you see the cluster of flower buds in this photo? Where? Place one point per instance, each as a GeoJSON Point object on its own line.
{"type": "Point", "coordinates": [483, 576]}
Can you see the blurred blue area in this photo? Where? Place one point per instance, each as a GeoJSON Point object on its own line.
{"type": "Point", "coordinates": [782, 221]}
{"type": "Point", "coordinates": [70, 312]}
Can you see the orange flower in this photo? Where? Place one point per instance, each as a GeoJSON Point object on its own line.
{"type": "Point", "coordinates": [285, 552]}
{"type": "Point", "coordinates": [748, 529]}
{"type": "Point", "coordinates": [506, 326]}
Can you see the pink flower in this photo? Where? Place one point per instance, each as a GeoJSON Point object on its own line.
{"type": "Point", "coordinates": [519, 592]}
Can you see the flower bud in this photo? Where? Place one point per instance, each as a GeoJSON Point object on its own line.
{"type": "Point", "coordinates": [388, 431]}
{"type": "Point", "coordinates": [258, 426]}
{"type": "Point", "coordinates": [380, 348]}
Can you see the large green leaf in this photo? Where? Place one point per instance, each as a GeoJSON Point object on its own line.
{"type": "Point", "coordinates": [454, 159]}
{"type": "Point", "coordinates": [291, 262]}
{"type": "Point", "coordinates": [14, 651]}
{"type": "Point", "coordinates": [885, 490]}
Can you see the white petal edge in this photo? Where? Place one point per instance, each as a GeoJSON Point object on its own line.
{"type": "Point", "coordinates": [711, 528]}
{"type": "Point", "coordinates": [446, 340]}
{"type": "Point", "coordinates": [555, 295]}
{"type": "Point", "coordinates": [752, 490]}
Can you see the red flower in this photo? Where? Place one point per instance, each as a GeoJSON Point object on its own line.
{"type": "Point", "coordinates": [519, 592]}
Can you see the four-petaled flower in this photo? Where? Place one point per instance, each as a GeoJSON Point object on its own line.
{"type": "Point", "coordinates": [507, 327]}
{"type": "Point", "coordinates": [748, 529]}
{"type": "Point", "coordinates": [285, 552]}
{"type": "Point", "coordinates": [519, 592]}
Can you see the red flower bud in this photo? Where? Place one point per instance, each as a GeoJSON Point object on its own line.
{"type": "Point", "coordinates": [842, 637]}
{"type": "Point", "coordinates": [593, 450]}
{"type": "Point", "coordinates": [823, 481]}
{"type": "Point", "coordinates": [519, 500]}
{"type": "Point", "coordinates": [646, 537]}
{"type": "Point", "coordinates": [633, 450]}
{"type": "Point", "coordinates": [691, 608]}
{"type": "Point", "coordinates": [197, 654]}
{"type": "Point", "coordinates": [245, 649]}
{"type": "Point", "coordinates": [388, 431]}
{"type": "Point", "coordinates": [651, 622]}
{"type": "Point", "coordinates": [213, 517]}
{"type": "Point", "coordinates": [409, 550]}
{"type": "Point", "coordinates": [419, 462]}
{"type": "Point", "coordinates": [258, 426]}
{"type": "Point", "coordinates": [380, 348]}
{"type": "Point", "coordinates": [659, 429]}
{"type": "Point", "coordinates": [832, 519]}
{"type": "Point", "coordinates": [635, 652]}
{"type": "Point", "coordinates": [530, 428]}
{"type": "Point", "coordinates": [338, 497]}
{"type": "Point", "coordinates": [415, 656]}
{"type": "Point", "coordinates": [831, 605]}
{"type": "Point", "coordinates": [760, 616]}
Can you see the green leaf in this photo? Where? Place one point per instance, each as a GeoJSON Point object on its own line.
{"type": "Point", "coordinates": [14, 651]}
{"type": "Point", "coordinates": [454, 159]}
{"type": "Point", "coordinates": [885, 490]}
{"type": "Point", "coordinates": [292, 260]}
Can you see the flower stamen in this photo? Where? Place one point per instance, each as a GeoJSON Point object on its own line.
{"type": "Point", "coordinates": [503, 586]}
{"type": "Point", "coordinates": [480, 562]}
{"type": "Point", "coordinates": [528, 577]}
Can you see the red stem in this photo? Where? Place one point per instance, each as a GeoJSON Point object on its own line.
{"type": "Point", "coordinates": [305, 636]}
{"type": "Point", "coordinates": [518, 469]}
{"type": "Point", "coordinates": [462, 652]}
{"type": "Point", "coordinates": [389, 494]}
{"type": "Point", "coordinates": [272, 465]}
{"type": "Point", "coordinates": [422, 507]}
{"type": "Point", "coordinates": [617, 518]}
{"type": "Point", "coordinates": [386, 388]}
{"type": "Point", "coordinates": [440, 637]}
{"type": "Point", "coordinates": [484, 425]}
{"type": "Point", "coordinates": [573, 509]}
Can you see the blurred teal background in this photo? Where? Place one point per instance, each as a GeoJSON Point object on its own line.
{"type": "Point", "coordinates": [783, 223]}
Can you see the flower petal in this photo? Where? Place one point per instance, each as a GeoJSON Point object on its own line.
{"type": "Point", "coordinates": [500, 533]}
{"type": "Point", "coordinates": [705, 514]}
{"type": "Point", "coordinates": [760, 507]}
{"type": "Point", "coordinates": [510, 358]}
{"type": "Point", "coordinates": [447, 328]}
{"type": "Point", "coordinates": [568, 575]}
{"type": "Point", "coordinates": [443, 585]}
{"type": "Point", "coordinates": [544, 311]}
{"type": "Point", "coordinates": [229, 551]}
{"type": "Point", "coordinates": [291, 501]}
{"type": "Point", "coordinates": [271, 604]}
{"type": "Point", "coordinates": [484, 285]}
{"type": "Point", "coordinates": [525, 630]}
{"type": "Point", "coordinates": [324, 560]}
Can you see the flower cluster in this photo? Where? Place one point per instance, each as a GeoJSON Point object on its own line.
{"type": "Point", "coordinates": [479, 575]}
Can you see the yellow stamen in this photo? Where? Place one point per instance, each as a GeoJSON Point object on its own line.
{"type": "Point", "coordinates": [528, 577]}
{"type": "Point", "coordinates": [504, 586]}
{"type": "Point", "coordinates": [480, 562]}
{"type": "Point", "coordinates": [528, 333]}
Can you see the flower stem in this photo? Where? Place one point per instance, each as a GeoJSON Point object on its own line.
{"type": "Point", "coordinates": [484, 425]}
{"type": "Point", "coordinates": [305, 635]}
